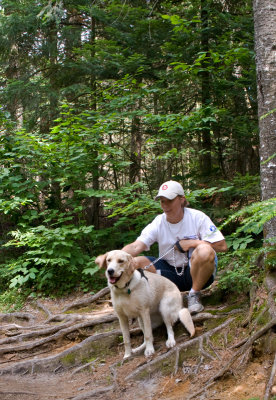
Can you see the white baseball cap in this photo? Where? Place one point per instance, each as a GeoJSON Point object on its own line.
{"type": "Point", "coordinates": [170, 190]}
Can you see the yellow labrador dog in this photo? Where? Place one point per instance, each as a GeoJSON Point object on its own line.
{"type": "Point", "coordinates": [149, 297]}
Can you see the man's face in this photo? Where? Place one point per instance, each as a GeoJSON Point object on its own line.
{"type": "Point", "coordinates": [171, 206]}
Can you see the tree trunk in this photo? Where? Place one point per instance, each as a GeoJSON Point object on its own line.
{"type": "Point", "coordinates": [265, 48]}
{"type": "Point", "coordinates": [135, 149]}
{"type": "Point", "coordinates": [206, 161]}
{"type": "Point", "coordinates": [94, 218]}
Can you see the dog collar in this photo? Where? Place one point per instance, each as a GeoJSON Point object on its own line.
{"type": "Point", "coordinates": [142, 273]}
{"type": "Point", "coordinates": [128, 283]}
{"type": "Point", "coordinates": [126, 286]}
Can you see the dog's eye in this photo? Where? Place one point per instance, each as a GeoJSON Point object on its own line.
{"type": "Point", "coordinates": [108, 260]}
{"type": "Point", "coordinates": [120, 261]}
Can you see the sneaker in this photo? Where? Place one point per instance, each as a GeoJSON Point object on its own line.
{"type": "Point", "coordinates": [194, 304]}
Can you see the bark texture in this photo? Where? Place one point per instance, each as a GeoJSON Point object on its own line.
{"type": "Point", "coordinates": [265, 48]}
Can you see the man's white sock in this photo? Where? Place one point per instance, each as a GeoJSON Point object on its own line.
{"type": "Point", "coordinates": [192, 291]}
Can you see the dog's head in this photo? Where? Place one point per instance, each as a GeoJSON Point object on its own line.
{"type": "Point", "coordinates": [119, 267]}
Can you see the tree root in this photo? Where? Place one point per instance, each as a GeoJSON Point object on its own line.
{"type": "Point", "coordinates": [54, 363]}
{"type": "Point", "coordinates": [21, 393]}
{"type": "Point", "coordinates": [148, 366]}
{"type": "Point", "coordinates": [270, 283]}
{"type": "Point", "coordinates": [16, 315]}
{"type": "Point", "coordinates": [33, 334]}
{"type": "Point", "coordinates": [93, 393]}
{"type": "Point", "coordinates": [56, 336]}
{"type": "Point", "coordinates": [43, 308]}
{"type": "Point", "coordinates": [64, 360]}
{"type": "Point", "coordinates": [253, 293]}
{"type": "Point", "coordinates": [240, 352]}
{"type": "Point", "coordinates": [85, 302]}
{"type": "Point", "coordinates": [17, 330]}
{"type": "Point", "coordinates": [77, 358]}
{"type": "Point", "coordinates": [270, 381]}
{"type": "Point", "coordinates": [82, 367]}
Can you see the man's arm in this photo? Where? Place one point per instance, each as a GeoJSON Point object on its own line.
{"type": "Point", "coordinates": [219, 246]}
{"type": "Point", "coordinates": [135, 248]}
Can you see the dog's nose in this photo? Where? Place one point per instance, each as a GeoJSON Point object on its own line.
{"type": "Point", "coordinates": [110, 271]}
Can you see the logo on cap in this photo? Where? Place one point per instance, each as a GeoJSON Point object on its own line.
{"type": "Point", "coordinates": [164, 187]}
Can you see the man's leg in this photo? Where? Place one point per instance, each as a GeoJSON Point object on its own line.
{"type": "Point", "coordinates": [202, 268]}
{"type": "Point", "coordinates": [202, 265]}
{"type": "Point", "coordinates": [142, 262]}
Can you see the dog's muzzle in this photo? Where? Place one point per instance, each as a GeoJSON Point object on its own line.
{"type": "Point", "coordinates": [111, 278]}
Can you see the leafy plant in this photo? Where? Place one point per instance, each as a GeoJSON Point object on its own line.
{"type": "Point", "coordinates": [52, 257]}
{"type": "Point", "coordinates": [253, 217]}
{"type": "Point", "coordinates": [240, 264]}
{"type": "Point", "coordinates": [12, 300]}
{"type": "Point", "coordinates": [237, 269]}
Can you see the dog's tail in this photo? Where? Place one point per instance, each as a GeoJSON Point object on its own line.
{"type": "Point", "coordinates": [186, 319]}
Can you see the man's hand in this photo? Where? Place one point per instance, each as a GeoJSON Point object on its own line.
{"type": "Point", "coordinates": [187, 244]}
{"type": "Point", "coordinates": [100, 260]}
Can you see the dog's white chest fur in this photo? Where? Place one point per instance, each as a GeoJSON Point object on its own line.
{"type": "Point", "coordinates": [128, 300]}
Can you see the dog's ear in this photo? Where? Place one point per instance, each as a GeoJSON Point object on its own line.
{"type": "Point", "coordinates": [132, 264]}
{"type": "Point", "coordinates": [101, 260]}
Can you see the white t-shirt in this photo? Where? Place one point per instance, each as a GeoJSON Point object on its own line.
{"type": "Point", "coordinates": [194, 225]}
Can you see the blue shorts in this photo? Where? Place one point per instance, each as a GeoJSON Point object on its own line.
{"type": "Point", "coordinates": [183, 282]}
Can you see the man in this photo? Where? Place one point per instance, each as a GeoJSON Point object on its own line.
{"type": "Point", "coordinates": [188, 241]}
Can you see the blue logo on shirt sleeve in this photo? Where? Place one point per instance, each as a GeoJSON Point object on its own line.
{"type": "Point", "coordinates": [213, 228]}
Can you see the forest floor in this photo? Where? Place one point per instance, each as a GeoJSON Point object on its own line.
{"type": "Point", "coordinates": [58, 349]}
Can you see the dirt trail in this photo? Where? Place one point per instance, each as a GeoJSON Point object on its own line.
{"type": "Point", "coordinates": [179, 376]}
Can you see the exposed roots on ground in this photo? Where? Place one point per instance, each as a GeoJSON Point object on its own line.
{"type": "Point", "coordinates": [270, 381]}
{"type": "Point", "coordinates": [242, 351]}
{"type": "Point", "coordinates": [48, 341]}
{"type": "Point", "coordinates": [94, 393]}
{"type": "Point", "coordinates": [175, 351]}
{"type": "Point", "coordinates": [87, 301]}
{"type": "Point", "coordinates": [55, 333]}
{"type": "Point", "coordinates": [61, 361]}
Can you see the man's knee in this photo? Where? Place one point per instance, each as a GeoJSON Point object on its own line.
{"type": "Point", "coordinates": [142, 262]}
{"type": "Point", "coordinates": [203, 253]}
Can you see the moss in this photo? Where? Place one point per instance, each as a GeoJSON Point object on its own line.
{"type": "Point", "coordinates": [213, 323]}
{"type": "Point", "coordinates": [104, 347]}
{"type": "Point", "coordinates": [215, 298]}
{"type": "Point", "coordinates": [263, 318]}
{"type": "Point", "coordinates": [164, 367]}
{"type": "Point", "coordinates": [69, 359]}
{"type": "Point", "coordinates": [189, 352]}
{"type": "Point", "coordinates": [88, 360]}
{"type": "Point", "coordinates": [270, 260]}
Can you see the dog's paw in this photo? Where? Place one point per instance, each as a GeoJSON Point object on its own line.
{"type": "Point", "coordinates": [149, 351]}
{"type": "Point", "coordinates": [127, 355]}
{"type": "Point", "coordinates": [170, 343]}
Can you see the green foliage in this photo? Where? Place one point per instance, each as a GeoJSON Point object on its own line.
{"type": "Point", "coordinates": [51, 246]}
{"type": "Point", "coordinates": [52, 257]}
{"type": "Point", "coordinates": [242, 263]}
{"type": "Point", "coordinates": [129, 208]}
{"type": "Point", "coordinates": [250, 221]}
{"type": "Point", "coordinates": [238, 269]}
{"type": "Point", "coordinates": [94, 90]}
{"type": "Point", "coordinates": [12, 300]}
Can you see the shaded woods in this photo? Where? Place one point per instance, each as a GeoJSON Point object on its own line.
{"type": "Point", "coordinates": [103, 102]}
{"type": "Point", "coordinates": [100, 103]}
